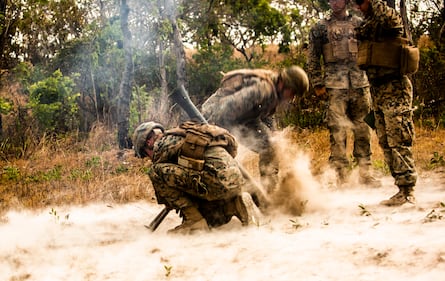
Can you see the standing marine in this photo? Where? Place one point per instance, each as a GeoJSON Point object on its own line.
{"type": "Point", "coordinates": [387, 57]}
{"type": "Point", "coordinates": [333, 70]}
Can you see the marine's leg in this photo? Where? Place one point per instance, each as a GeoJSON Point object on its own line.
{"type": "Point", "coordinates": [358, 108]}
{"type": "Point", "coordinates": [338, 124]}
{"type": "Point", "coordinates": [166, 178]}
{"type": "Point", "coordinates": [398, 137]}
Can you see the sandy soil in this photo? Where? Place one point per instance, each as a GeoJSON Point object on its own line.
{"type": "Point", "coordinates": [344, 234]}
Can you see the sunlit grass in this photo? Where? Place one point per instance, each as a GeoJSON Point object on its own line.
{"type": "Point", "coordinates": [95, 170]}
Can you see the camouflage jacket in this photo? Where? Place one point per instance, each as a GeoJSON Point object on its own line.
{"type": "Point", "coordinates": [383, 23]}
{"type": "Point", "coordinates": [245, 96]}
{"type": "Point", "coordinates": [334, 41]}
{"type": "Point", "coordinates": [167, 148]}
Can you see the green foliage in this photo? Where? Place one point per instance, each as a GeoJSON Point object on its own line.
{"type": "Point", "coordinates": [58, 36]}
{"type": "Point", "coordinates": [45, 176]}
{"type": "Point", "coordinates": [144, 170]}
{"type": "Point", "coordinates": [121, 169]}
{"type": "Point", "coordinates": [93, 166]}
{"type": "Point", "coordinates": [428, 34]}
{"type": "Point", "coordinates": [427, 18]}
{"type": "Point", "coordinates": [380, 165]}
{"type": "Point", "coordinates": [95, 161]}
{"type": "Point", "coordinates": [205, 71]}
{"type": "Point", "coordinates": [54, 104]}
{"type": "Point", "coordinates": [310, 118]}
{"type": "Point", "coordinates": [23, 73]}
{"type": "Point", "coordinates": [95, 63]}
{"type": "Point", "coordinates": [142, 104]}
{"type": "Point", "coordinates": [264, 19]}
{"type": "Point", "coordinates": [81, 174]}
{"type": "Point", "coordinates": [11, 173]}
{"type": "Point", "coordinates": [239, 24]}
{"type": "Point", "coordinates": [436, 161]}
{"type": "Point", "coordinates": [43, 28]}
{"type": "Point", "coordinates": [5, 106]}
{"type": "Point", "coordinates": [18, 135]}
{"type": "Point", "coordinates": [430, 82]}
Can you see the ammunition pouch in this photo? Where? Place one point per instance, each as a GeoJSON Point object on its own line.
{"type": "Point", "coordinates": [187, 162]}
{"type": "Point", "coordinates": [409, 62]}
{"type": "Point", "coordinates": [193, 149]}
{"type": "Point", "coordinates": [395, 54]}
{"type": "Point", "coordinates": [345, 50]}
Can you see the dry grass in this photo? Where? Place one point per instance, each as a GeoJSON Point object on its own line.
{"type": "Point", "coordinates": [428, 149]}
{"type": "Point", "coordinates": [79, 173]}
{"type": "Point", "coordinates": [95, 171]}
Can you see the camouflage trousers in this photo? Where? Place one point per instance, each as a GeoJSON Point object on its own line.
{"type": "Point", "coordinates": [179, 187]}
{"type": "Point", "coordinates": [392, 102]}
{"type": "Point", "coordinates": [347, 110]}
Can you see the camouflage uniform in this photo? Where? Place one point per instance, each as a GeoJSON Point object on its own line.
{"type": "Point", "coordinates": [392, 96]}
{"type": "Point", "coordinates": [244, 104]}
{"type": "Point", "coordinates": [348, 88]}
{"type": "Point", "coordinates": [210, 189]}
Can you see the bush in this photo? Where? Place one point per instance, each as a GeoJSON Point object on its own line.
{"type": "Point", "coordinates": [54, 104]}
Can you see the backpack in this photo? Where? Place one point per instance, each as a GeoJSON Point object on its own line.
{"type": "Point", "coordinates": [197, 138]}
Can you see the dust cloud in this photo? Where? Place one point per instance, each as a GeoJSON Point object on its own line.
{"type": "Point", "coordinates": [341, 234]}
{"type": "Point", "coordinates": [297, 191]}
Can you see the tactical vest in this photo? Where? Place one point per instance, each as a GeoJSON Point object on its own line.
{"type": "Point", "coordinates": [197, 138]}
{"type": "Point", "coordinates": [342, 45]}
{"type": "Point", "coordinates": [394, 53]}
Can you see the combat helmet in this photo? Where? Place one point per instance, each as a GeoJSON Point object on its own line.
{"type": "Point", "coordinates": [140, 136]}
{"type": "Point", "coordinates": [295, 77]}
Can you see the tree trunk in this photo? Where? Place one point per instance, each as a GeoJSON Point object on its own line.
{"type": "Point", "coordinates": [3, 32]}
{"type": "Point", "coordinates": [178, 47]}
{"type": "Point", "coordinates": [163, 102]}
{"type": "Point", "coordinates": [405, 20]}
{"type": "Point", "coordinates": [124, 100]}
{"type": "Point", "coordinates": [442, 29]}
{"type": "Point", "coordinates": [177, 44]}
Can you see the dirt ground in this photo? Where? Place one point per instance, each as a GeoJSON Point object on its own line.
{"type": "Point", "coordinates": [343, 234]}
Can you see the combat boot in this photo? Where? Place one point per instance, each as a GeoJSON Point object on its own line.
{"type": "Point", "coordinates": [365, 177]}
{"type": "Point", "coordinates": [342, 177]}
{"type": "Point", "coordinates": [244, 208]}
{"type": "Point", "coordinates": [405, 195]}
{"type": "Point", "coordinates": [192, 221]}
{"type": "Point", "coordinates": [370, 181]}
{"type": "Point", "coordinates": [409, 194]}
